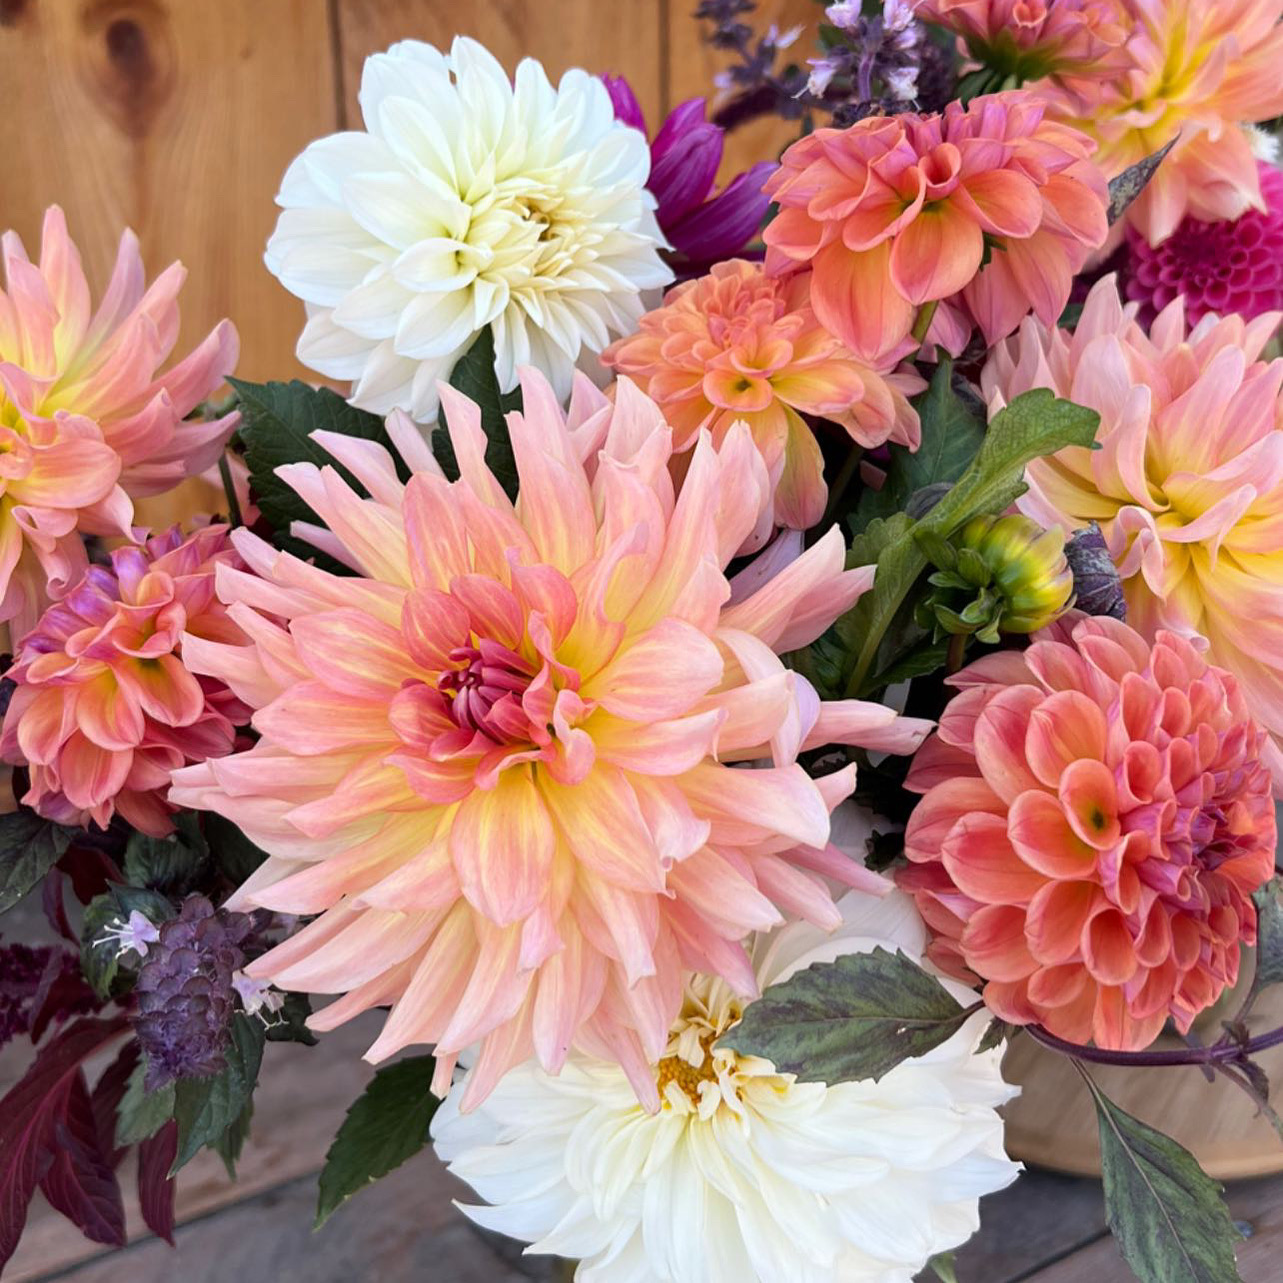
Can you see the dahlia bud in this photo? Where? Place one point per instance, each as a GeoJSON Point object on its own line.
{"type": "Point", "coordinates": [999, 575]}
{"type": "Point", "coordinates": [186, 996]}
{"type": "Point", "coordinates": [1097, 587]}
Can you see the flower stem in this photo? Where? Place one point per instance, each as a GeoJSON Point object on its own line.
{"type": "Point", "coordinates": [926, 314]}
{"type": "Point", "coordinates": [229, 489]}
{"type": "Point", "coordinates": [1225, 1050]}
{"type": "Point", "coordinates": [840, 485]}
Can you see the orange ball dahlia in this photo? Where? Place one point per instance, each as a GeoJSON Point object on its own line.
{"type": "Point", "coordinates": [88, 422]}
{"type": "Point", "coordinates": [500, 764]}
{"type": "Point", "coordinates": [990, 207]}
{"type": "Point", "coordinates": [105, 707]}
{"type": "Point", "coordinates": [738, 345]}
{"type": "Point", "coordinates": [1095, 819]}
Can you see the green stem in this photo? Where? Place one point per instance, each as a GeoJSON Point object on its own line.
{"type": "Point", "coordinates": [565, 1271]}
{"type": "Point", "coordinates": [840, 485]}
{"type": "Point", "coordinates": [926, 314]}
{"type": "Point", "coordinates": [957, 653]}
{"type": "Point", "coordinates": [229, 489]}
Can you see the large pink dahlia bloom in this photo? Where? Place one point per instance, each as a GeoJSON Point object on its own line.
{"type": "Point", "coordinates": [87, 420]}
{"type": "Point", "coordinates": [739, 346]}
{"type": "Point", "coordinates": [498, 764]}
{"type": "Point", "coordinates": [1096, 818]}
{"type": "Point", "coordinates": [1188, 483]}
{"type": "Point", "coordinates": [105, 707]}
{"type": "Point", "coordinates": [989, 206]}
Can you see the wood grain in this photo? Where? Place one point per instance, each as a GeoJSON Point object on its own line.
{"type": "Point", "coordinates": [621, 38]}
{"type": "Point", "coordinates": [175, 118]}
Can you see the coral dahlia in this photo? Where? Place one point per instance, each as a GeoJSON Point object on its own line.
{"type": "Point", "coordinates": [740, 346]}
{"type": "Point", "coordinates": [497, 765]}
{"type": "Point", "coordinates": [744, 1175]}
{"type": "Point", "coordinates": [1096, 816]}
{"type": "Point", "coordinates": [989, 206]}
{"type": "Point", "coordinates": [105, 706]}
{"type": "Point", "coordinates": [1187, 486]}
{"type": "Point", "coordinates": [88, 422]}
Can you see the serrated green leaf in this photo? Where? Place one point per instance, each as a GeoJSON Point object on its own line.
{"type": "Point", "coordinates": [474, 375]}
{"type": "Point", "coordinates": [168, 863]}
{"type": "Point", "coordinates": [30, 846]}
{"type": "Point", "coordinates": [1125, 187]}
{"type": "Point", "coordinates": [1165, 1212]}
{"type": "Point", "coordinates": [385, 1126]}
{"type": "Point", "coordinates": [919, 662]}
{"type": "Point", "coordinates": [854, 1018]}
{"type": "Point", "coordinates": [100, 956]}
{"type": "Point", "coordinates": [142, 1113]}
{"type": "Point", "coordinates": [953, 426]}
{"type": "Point", "coordinates": [997, 1033]}
{"type": "Point", "coordinates": [228, 1146]}
{"type": "Point", "coordinates": [232, 851]}
{"type": "Point", "coordinates": [1269, 936]}
{"type": "Point", "coordinates": [277, 420]}
{"type": "Point", "coordinates": [206, 1107]}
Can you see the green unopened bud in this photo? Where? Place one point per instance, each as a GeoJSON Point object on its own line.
{"type": "Point", "coordinates": [1007, 575]}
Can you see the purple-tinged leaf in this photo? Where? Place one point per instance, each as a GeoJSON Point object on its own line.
{"type": "Point", "coordinates": [78, 1180]}
{"type": "Point", "coordinates": [61, 992]}
{"type": "Point", "coordinates": [155, 1185]}
{"type": "Point", "coordinates": [53, 903]}
{"type": "Point", "coordinates": [108, 1093]}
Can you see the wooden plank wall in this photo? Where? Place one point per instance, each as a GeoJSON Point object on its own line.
{"type": "Point", "coordinates": [178, 117]}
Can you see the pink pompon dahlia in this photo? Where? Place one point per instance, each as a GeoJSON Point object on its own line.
{"type": "Point", "coordinates": [105, 706]}
{"type": "Point", "coordinates": [1029, 39]}
{"type": "Point", "coordinates": [1222, 267]}
{"type": "Point", "coordinates": [499, 764]}
{"type": "Point", "coordinates": [87, 423]}
{"type": "Point", "coordinates": [738, 345]}
{"type": "Point", "coordinates": [1187, 485]}
{"type": "Point", "coordinates": [1193, 73]}
{"type": "Point", "coordinates": [1095, 819]}
{"type": "Point", "coordinates": [988, 208]}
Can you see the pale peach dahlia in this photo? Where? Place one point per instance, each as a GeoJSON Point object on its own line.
{"type": "Point", "coordinates": [497, 764]}
{"type": "Point", "coordinates": [88, 421]}
{"type": "Point", "coordinates": [1096, 818]}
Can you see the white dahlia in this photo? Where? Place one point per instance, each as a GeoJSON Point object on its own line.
{"type": "Point", "coordinates": [468, 202]}
{"type": "Point", "coordinates": [744, 1174]}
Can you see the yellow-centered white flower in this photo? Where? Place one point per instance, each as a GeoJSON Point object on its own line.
{"type": "Point", "coordinates": [468, 201]}
{"type": "Point", "coordinates": [744, 1173]}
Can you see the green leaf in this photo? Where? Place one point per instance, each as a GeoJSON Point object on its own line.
{"type": "Point", "coordinates": [100, 954]}
{"type": "Point", "coordinates": [233, 852]}
{"type": "Point", "coordinates": [1269, 936]}
{"type": "Point", "coordinates": [1132, 181]}
{"type": "Point", "coordinates": [141, 1113]}
{"type": "Point", "coordinates": [953, 427]}
{"type": "Point", "coordinates": [997, 1033]}
{"type": "Point", "coordinates": [290, 1024]}
{"type": "Point", "coordinates": [384, 1127]}
{"type": "Point", "coordinates": [1166, 1213]}
{"type": "Point", "coordinates": [921, 661]}
{"type": "Point", "coordinates": [1033, 425]}
{"type": "Point", "coordinates": [277, 420]}
{"type": "Point", "coordinates": [30, 846]}
{"type": "Point", "coordinates": [855, 1018]}
{"type": "Point", "coordinates": [169, 863]}
{"type": "Point", "coordinates": [474, 375]}
{"type": "Point", "coordinates": [943, 1267]}
{"type": "Point", "coordinates": [206, 1107]}
{"type": "Point", "coordinates": [229, 1145]}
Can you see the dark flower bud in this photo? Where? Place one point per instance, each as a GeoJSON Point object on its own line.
{"type": "Point", "coordinates": [1096, 583]}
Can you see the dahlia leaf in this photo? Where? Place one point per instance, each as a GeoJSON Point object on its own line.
{"type": "Point", "coordinates": [1167, 1214]}
{"type": "Point", "coordinates": [997, 1033]}
{"type": "Point", "coordinates": [206, 1107]}
{"type": "Point", "coordinates": [474, 375]}
{"type": "Point", "coordinates": [1124, 188]}
{"type": "Point", "coordinates": [1269, 936]}
{"type": "Point", "coordinates": [277, 420]}
{"type": "Point", "coordinates": [953, 427]}
{"type": "Point", "coordinates": [142, 1113]}
{"type": "Point", "coordinates": [155, 1185]}
{"type": "Point", "coordinates": [854, 1018]}
{"type": "Point", "coordinates": [30, 845]}
{"type": "Point", "coordinates": [387, 1125]}
{"type": "Point", "coordinates": [168, 863]}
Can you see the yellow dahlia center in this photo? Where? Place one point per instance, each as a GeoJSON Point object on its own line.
{"type": "Point", "coordinates": [677, 1069]}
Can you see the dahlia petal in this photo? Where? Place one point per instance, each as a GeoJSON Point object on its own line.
{"type": "Point", "coordinates": [1045, 838]}
{"type": "Point", "coordinates": [985, 865]}
{"type": "Point", "coordinates": [856, 299]}
{"type": "Point", "coordinates": [659, 675]}
{"type": "Point", "coordinates": [936, 254]}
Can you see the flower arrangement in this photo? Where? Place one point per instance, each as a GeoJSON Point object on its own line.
{"type": "Point", "coordinates": [731, 654]}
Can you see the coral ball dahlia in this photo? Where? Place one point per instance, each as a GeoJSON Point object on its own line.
{"type": "Point", "coordinates": [1095, 819]}
{"type": "Point", "coordinates": [740, 346]}
{"type": "Point", "coordinates": [744, 1175]}
{"type": "Point", "coordinates": [88, 421]}
{"type": "Point", "coordinates": [989, 207]}
{"type": "Point", "coordinates": [499, 764]}
{"type": "Point", "coordinates": [105, 706]}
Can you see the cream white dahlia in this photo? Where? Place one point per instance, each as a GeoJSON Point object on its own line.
{"type": "Point", "coordinates": [744, 1174]}
{"type": "Point", "coordinates": [469, 201]}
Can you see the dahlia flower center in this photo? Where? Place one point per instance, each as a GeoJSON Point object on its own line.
{"type": "Point", "coordinates": [483, 691]}
{"type": "Point", "coordinates": [677, 1069]}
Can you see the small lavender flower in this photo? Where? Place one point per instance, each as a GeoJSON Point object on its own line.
{"type": "Point", "coordinates": [877, 63]}
{"type": "Point", "coordinates": [132, 935]}
{"type": "Point", "coordinates": [763, 88]}
{"type": "Point", "coordinates": [185, 991]}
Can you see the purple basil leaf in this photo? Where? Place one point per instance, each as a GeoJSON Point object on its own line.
{"type": "Point", "coordinates": [155, 1185]}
